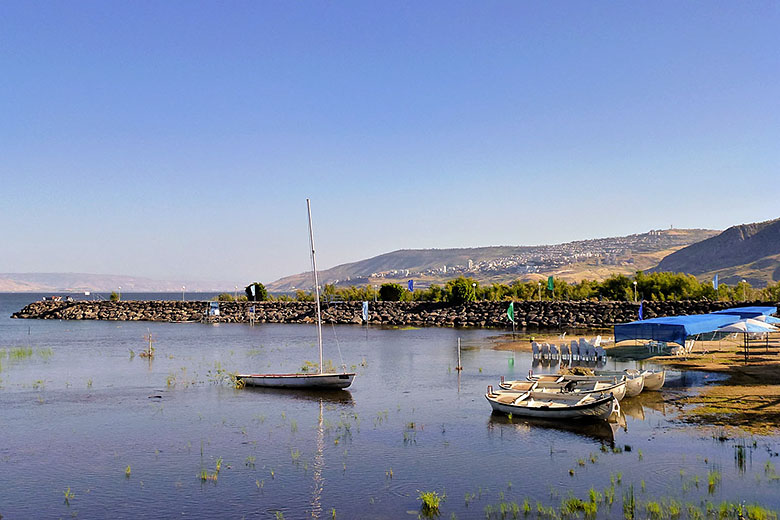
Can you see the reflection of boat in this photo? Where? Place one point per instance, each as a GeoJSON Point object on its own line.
{"type": "Point", "coordinates": [551, 405]}
{"type": "Point", "coordinates": [653, 401]}
{"type": "Point", "coordinates": [633, 408]}
{"type": "Point", "coordinates": [321, 380]}
{"type": "Point", "coordinates": [337, 396]}
{"type": "Point", "coordinates": [603, 431]}
{"type": "Point", "coordinates": [565, 385]}
{"type": "Point", "coordinates": [319, 466]}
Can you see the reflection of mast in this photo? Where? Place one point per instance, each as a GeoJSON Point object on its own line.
{"type": "Point", "coordinates": [319, 465]}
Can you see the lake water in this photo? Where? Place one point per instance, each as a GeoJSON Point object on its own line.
{"type": "Point", "coordinates": [80, 409]}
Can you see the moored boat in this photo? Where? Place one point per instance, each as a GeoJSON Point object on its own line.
{"type": "Point", "coordinates": [333, 380]}
{"type": "Point", "coordinates": [654, 380]}
{"type": "Point", "coordinates": [635, 382]}
{"type": "Point", "coordinates": [552, 406]}
{"type": "Point", "coordinates": [319, 381]}
{"type": "Point", "coordinates": [572, 383]}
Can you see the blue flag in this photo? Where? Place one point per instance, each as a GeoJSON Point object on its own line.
{"type": "Point", "coordinates": [411, 285]}
{"type": "Point", "coordinates": [365, 311]}
{"type": "Point", "coordinates": [715, 282]}
{"type": "Point", "coordinates": [641, 306]}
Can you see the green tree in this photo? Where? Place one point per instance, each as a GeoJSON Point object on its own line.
{"type": "Point", "coordinates": [225, 297]}
{"type": "Point", "coordinates": [391, 292]}
{"type": "Point", "coordinates": [303, 296]}
{"type": "Point", "coordinates": [114, 297]}
{"type": "Point", "coordinates": [771, 293]}
{"type": "Point", "coordinates": [617, 287]}
{"type": "Point", "coordinates": [260, 293]}
{"type": "Point", "coordinates": [461, 290]}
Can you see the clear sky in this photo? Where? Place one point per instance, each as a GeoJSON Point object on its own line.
{"type": "Point", "coordinates": [179, 139]}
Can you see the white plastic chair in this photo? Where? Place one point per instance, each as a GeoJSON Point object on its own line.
{"type": "Point", "coordinates": [584, 349]}
{"type": "Point", "coordinates": [575, 350]}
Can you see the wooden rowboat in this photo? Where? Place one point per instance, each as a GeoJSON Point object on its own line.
{"type": "Point", "coordinates": [552, 406]}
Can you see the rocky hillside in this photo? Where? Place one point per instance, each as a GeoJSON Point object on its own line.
{"type": "Point", "coordinates": [748, 251]}
{"type": "Point", "coordinates": [572, 261]}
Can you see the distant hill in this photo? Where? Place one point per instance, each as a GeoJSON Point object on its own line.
{"type": "Point", "coordinates": [573, 261]}
{"type": "Point", "coordinates": [78, 282]}
{"type": "Point", "coordinates": [749, 251]}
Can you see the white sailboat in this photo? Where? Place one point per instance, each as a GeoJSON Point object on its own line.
{"type": "Point", "coordinates": [320, 380]}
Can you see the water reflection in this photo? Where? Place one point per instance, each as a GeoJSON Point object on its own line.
{"type": "Point", "coordinates": [342, 397]}
{"type": "Point", "coordinates": [602, 431]}
{"type": "Point", "coordinates": [319, 465]}
{"type": "Point", "coordinates": [631, 407]}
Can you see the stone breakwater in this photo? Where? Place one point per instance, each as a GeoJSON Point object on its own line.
{"type": "Point", "coordinates": [551, 315]}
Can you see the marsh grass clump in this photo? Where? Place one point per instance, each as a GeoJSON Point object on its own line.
{"type": "Point", "coordinates": [69, 495]}
{"type": "Point", "coordinates": [127, 471]}
{"type": "Point", "coordinates": [629, 504]}
{"type": "Point", "coordinates": [756, 512]}
{"type": "Point", "coordinates": [693, 512]}
{"type": "Point", "coordinates": [653, 510]}
{"type": "Point", "coordinates": [430, 502]}
{"type": "Point", "coordinates": [713, 479]}
{"type": "Point", "coordinates": [19, 354]}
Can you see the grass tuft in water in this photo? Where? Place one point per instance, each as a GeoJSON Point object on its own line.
{"type": "Point", "coordinates": [69, 495]}
{"type": "Point", "coordinates": [430, 502]}
{"type": "Point", "coordinates": [713, 479]}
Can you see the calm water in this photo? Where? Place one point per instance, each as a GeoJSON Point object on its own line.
{"type": "Point", "coordinates": [81, 409]}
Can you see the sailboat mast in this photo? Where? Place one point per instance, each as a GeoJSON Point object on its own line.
{"type": "Point", "coordinates": [316, 285]}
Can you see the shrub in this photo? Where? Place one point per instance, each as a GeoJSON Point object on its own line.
{"type": "Point", "coordinates": [391, 292]}
{"type": "Point", "coordinates": [461, 290]}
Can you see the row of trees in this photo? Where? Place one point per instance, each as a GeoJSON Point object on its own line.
{"type": "Point", "coordinates": [653, 286]}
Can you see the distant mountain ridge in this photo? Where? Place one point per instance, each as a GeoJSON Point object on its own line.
{"type": "Point", "coordinates": [79, 282]}
{"type": "Point", "coordinates": [747, 251]}
{"type": "Point", "coordinates": [594, 259]}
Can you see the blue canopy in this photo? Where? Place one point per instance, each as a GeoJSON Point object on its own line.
{"type": "Point", "coordinates": [673, 329]}
{"type": "Point", "coordinates": [749, 312]}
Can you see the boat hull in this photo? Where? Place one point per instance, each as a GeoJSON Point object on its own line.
{"type": "Point", "coordinates": [301, 381]}
{"type": "Point", "coordinates": [634, 386]}
{"type": "Point", "coordinates": [619, 389]}
{"type": "Point", "coordinates": [654, 380]}
{"type": "Point", "coordinates": [596, 409]}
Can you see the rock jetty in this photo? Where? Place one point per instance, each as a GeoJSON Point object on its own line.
{"type": "Point", "coordinates": [550, 315]}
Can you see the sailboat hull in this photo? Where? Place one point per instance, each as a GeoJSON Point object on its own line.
{"type": "Point", "coordinates": [302, 381]}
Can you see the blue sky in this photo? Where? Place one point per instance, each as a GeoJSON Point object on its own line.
{"type": "Point", "coordinates": [180, 139]}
